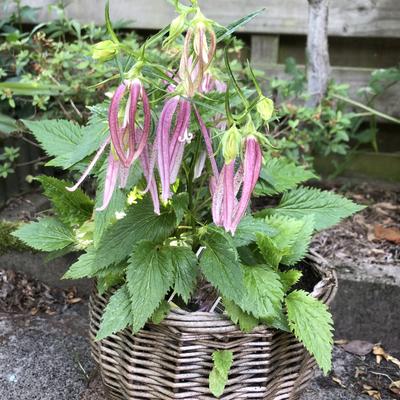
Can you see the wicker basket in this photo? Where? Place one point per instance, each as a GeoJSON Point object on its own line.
{"type": "Point", "coordinates": [173, 360]}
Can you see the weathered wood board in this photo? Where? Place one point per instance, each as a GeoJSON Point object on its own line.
{"type": "Point", "coordinates": [371, 18]}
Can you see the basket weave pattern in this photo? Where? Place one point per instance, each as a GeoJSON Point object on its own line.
{"type": "Point", "coordinates": [172, 360]}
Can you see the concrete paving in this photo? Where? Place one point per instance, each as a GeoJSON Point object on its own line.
{"type": "Point", "coordinates": [48, 358]}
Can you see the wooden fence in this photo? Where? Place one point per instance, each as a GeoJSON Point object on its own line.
{"type": "Point", "coordinates": [363, 34]}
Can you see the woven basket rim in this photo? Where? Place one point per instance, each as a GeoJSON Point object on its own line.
{"type": "Point", "coordinates": [327, 293]}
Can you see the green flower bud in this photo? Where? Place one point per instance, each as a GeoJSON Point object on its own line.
{"type": "Point", "coordinates": [265, 108]}
{"type": "Point", "coordinates": [105, 50]}
{"type": "Point", "coordinates": [176, 28]}
{"type": "Point", "coordinates": [231, 144]}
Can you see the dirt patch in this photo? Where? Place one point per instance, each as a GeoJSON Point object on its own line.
{"type": "Point", "coordinates": [371, 235]}
{"type": "Point", "coordinates": [20, 294]}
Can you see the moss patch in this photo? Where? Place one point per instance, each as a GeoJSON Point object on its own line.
{"type": "Point", "coordinates": [9, 242]}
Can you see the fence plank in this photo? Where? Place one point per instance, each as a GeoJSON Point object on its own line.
{"type": "Point", "coordinates": [265, 49]}
{"type": "Point", "coordinates": [373, 18]}
{"type": "Point", "coordinates": [356, 78]}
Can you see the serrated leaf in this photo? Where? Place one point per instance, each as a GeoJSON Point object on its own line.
{"type": "Point", "coordinates": [219, 263]}
{"type": "Point", "coordinates": [218, 378]}
{"type": "Point", "coordinates": [311, 323]}
{"type": "Point", "coordinates": [279, 175]}
{"type": "Point", "coordinates": [180, 204]}
{"type": "Point", "coordinates": [140, 223]}
{"type": "Point", "coordinates": [150, 274]}
{"type": "Point", "coordinates": [110, 277]}
{"type": "Point", "coordinates": [290, 278]}
{"type": "Point", "coordinates": [58, 138]}
{"type": "Point", "coordinates": [117, 314]}
{"type": "Point", "coordinates": [72, 208]}
{"type": "Point", "coordinates": [248, 228]}
{"type": "Point", "coordinates": [269, 250]}
{"type": "Point", "coordinates": [184, 262]}
{"type": "Point", "coordinates": [86, 266]}
{"type": "Point", "coordinates": [328, 208]}
{"type": "Point", "coordinates": [161, 312]}
{"type": "Point", "coordinates": [278, 321]}
{"type": "Point", "coordinates": [103, 219]}
{"type": "Point", "coordinates": [47, 234]}
{"type": "Point", "coordinates": [264, 291]}
{"type": "Point", "coordinates": [246, 321]}
{"type": "Point", "coordinates": [292, 238]}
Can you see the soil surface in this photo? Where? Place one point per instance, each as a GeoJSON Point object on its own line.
{"type": "Point", "coordinates": [372, 235]}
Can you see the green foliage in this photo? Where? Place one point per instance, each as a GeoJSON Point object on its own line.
{"type": "Point", "coordinates": [219, 263]}
{"type": "Point", "coordinates": [218, 378]}
{"type": "Point", "coordinates": [327, 208]}
{"type": "Point", "coordinates": [161, 312]}
{"type": "Point", "coordinates": [58, 138]}
{"type": "Point", "coordinates": [289, 278]}
{"type": "Point", "coordinates": [311, 322]}
{"type": "Point", "coordinates": [47, 234]}
{"type": "Point", "coordinates": [185, 266]}
{"type": "Point", "coordinates": [8, 242]}
{"type": "Point", "coordinates": [72, 208]}
{"type": "Point", "coordinates": [117, 314]}
{"type": "Point", "coordinates": [264, 291]}
{"type": "Point", "coordinates": [246, 321]}
{"type": "Point", "coordinates": [150, 275]}
{"type": "Point", "coordinates": [248, 229]}
{"type": "Point", "coordinates": [279, 175]}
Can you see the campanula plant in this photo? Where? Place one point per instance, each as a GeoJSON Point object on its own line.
{"type": "Point", "coordinates": [177, 154]}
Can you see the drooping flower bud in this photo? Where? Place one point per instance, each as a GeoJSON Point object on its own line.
{"type": "Point", "coordinates": [230, 142]}
{"type": "Point", "coordinates": [105, 50]}
{"type": "Point", "coordinates": [123, 135]}
{"type": "Point", "coordinates": [265, 107]}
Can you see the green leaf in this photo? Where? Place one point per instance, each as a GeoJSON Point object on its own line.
{"type": "Point", "coordinates": [290, 278]}
{"type": "Point", "coordinates": [111, 277]}
{"type": "Point", "coordinates": [184, 262]}
{"type": "Point", "coordinates": [311, 323]}
{"type": "Point", "coordinates": [58, 138]}
{"type": "Point", "coordinates": [269, 250]}
{"type": "Point", "coordinates": [150, 275]}
{"type": "Point", "coordinates": [7, 124]}
{"type": "Point", "coordinates": [180, 204]}
{"type": "Point", "coordinates": [140, 223]}
{"type": "Point", "coordinates": [279, 175]}
{"type": "Point", "coordinates": [219, 263]}
{"type": "Point", "coordinates": [161, 312]}
{"type": "Point", "coordinates": [92, 137]}
{"type": "Point", "coordinates": [86, 266]}
{"type": "Point", "coordinates": [292, 239]}
{"type": "Point", "coordinates": [264, 294]}
{"type": "Point", "coordinates": [328, 208]}
{"type": "Point", "coordinates": [117, 314]}
{"type": "Point", "coordinates": [224, 33]}
{"type": "Point", "coordinates": [248, 228]}
{"type": "Point", "coordinates": [47, 234]}
{"type": "Point", "coordinates": [118, 203]}
{"type": "Point", "coordinates": [218, 378]}
{"type": "Point", "coordinates": [278, 321]}
{"type": "Point", "coordinates": [246, 321]}
{"type": "Point", "coordinates": [71, 207]}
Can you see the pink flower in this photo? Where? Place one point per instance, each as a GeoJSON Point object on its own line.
{"type": "Point", "coordinates": [170, 142]}
{"type": "Point", "coordinates": [124, 149]}
{"type": "Point", "coordinates": [227, 209]}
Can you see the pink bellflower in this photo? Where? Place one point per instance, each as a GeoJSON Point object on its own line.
{"type": "Point", "coordinates": [124, 148]}
{"type": "Point", "coordinates": [227, 208]}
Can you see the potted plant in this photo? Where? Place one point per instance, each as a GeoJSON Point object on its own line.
{"type": "Point", "coordinates": [198, 294]}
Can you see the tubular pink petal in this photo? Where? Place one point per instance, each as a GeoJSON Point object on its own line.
{"type": "Point", "coordinates": [111, 181]}
{"type": "Point", "coordinates": [176, 162]}
{"type": "Point", "coordinates": [123, 176]}
{"type": "Point", "coordinates": [199, 166]}
{"type": "Point", "coordinates": [207, 141]}
{"type": "Point", "coordinates": [115, 130]}
{"type": "Point", "coordinates": [229, 194]}
{"type": "Point", "coordinates": [90, 166]}
{"type": "Point", "coordinates": [134, 95]}
{"type": "Point", "coordinates": [217, 199]}
{"type": "Point", "coordinates": [162, 140]}
{"type": "Point", "coordinates": [251, 172]}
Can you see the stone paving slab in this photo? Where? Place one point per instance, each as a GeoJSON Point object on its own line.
{"type": "Point", "coordinates": [48, 358]}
